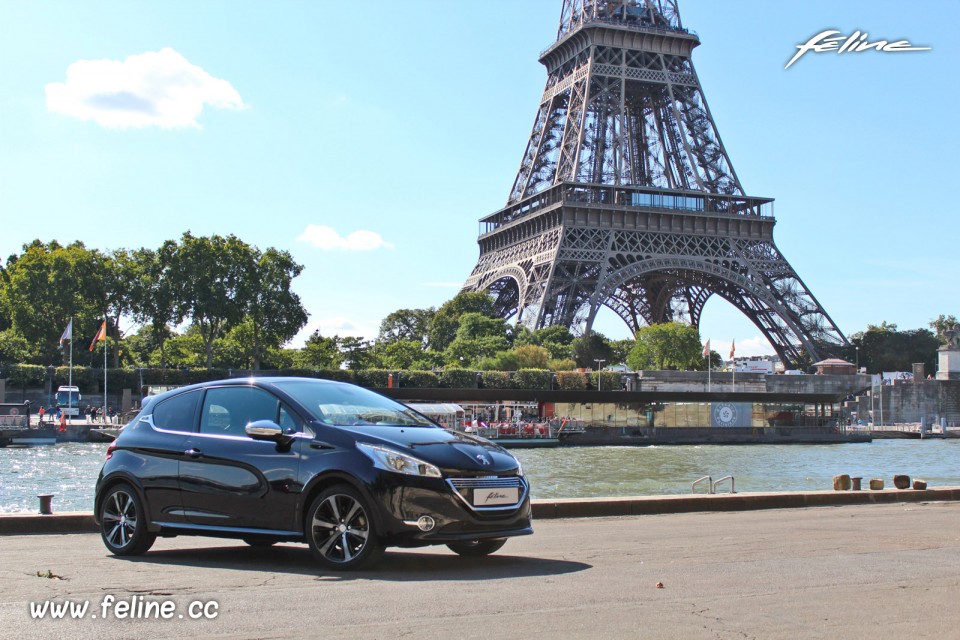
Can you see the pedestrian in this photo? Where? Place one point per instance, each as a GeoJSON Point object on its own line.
{"type": "Point", "coordinates": [112, 413]}
{"type": "Point", "coordinates": [40, 413]}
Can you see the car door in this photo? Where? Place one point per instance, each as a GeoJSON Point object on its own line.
{"type": "Point", "coordinates": [228, 479]}
{"type": "Point", "coordinates": [172, 421]}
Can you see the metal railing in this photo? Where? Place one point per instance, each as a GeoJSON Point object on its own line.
{"type": "Point", "coordinates": [724, 478]}
{"type": "Point", "coordinates": [707, 479]}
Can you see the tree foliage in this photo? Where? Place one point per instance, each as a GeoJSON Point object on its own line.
{"type": "Point", "coordinates": [883, 347]}
{"type": "Point", "coordinates": [669, 345]}
{"type": "Point", "coordinates": [588, 349]}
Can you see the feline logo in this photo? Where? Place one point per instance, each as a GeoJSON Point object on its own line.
{"type": "Point", "coordinates": [857, 42]}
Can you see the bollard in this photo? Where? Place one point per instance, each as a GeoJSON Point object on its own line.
{"type": "Point", "coordinates": [841, 482]}
{"type": "Point", "coordinates": [901, 481]}
{"type": "Point", "coordinates": [45, 504]}
{"type": "Point", "coordinates": [855, 480]}
{"type": "Point", "coordinates": [876, 484]}
{"type": "Point", "coordinates": [919, 485]}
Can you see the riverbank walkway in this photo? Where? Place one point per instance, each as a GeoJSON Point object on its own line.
{"type": "Point", "coordinates": [857, 571]}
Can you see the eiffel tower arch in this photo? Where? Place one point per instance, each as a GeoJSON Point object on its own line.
{"type": "Point", "coordinates": [625, 197]}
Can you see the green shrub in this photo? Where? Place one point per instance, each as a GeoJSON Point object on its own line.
{"type": "Point", "coordinates": [375, 378]}
{"type": "Point", "coordinates": [497, 380]}
{"type": "Point", "coordinates": [532, 379]}
{"type": "Point", "coordinates": [610, 381]}
{"type": "Point", "coordinates": [571, 380]}
{"type": "Point", "coordinates": [420, 380]}
{"type": "Point", "coordinates": [458, 379]}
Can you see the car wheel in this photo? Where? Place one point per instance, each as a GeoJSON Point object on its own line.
{"type": "Point", "coordinates": [260, 543]}
{"type": "Point", "coordinates": [123, 523]}
{"type": "Point", "coordinates": [477, 547]}
{"type": "Point", "coordinates": [340, 530]}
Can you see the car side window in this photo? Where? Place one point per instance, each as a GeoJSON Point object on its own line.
{"type": "Point", "coordinates": [228, 410]}
{"type": "Point", "coordinates": [178, 413]}
{"type": "Point", "coordinates": [289, 422]}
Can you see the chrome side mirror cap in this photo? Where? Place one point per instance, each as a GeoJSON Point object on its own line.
{"type": "Point", "coordinates": [264, 430]}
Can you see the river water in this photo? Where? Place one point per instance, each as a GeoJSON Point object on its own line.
{"type": "Point", "coordinates": [70, 470]}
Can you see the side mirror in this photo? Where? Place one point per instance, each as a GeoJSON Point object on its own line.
{"type": "Point", "coordinates": [264, 430]}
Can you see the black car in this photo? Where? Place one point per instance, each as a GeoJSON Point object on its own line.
{"type": "Point", "coordinates": [344, 469]}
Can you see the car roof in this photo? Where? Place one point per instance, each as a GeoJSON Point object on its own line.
{"type": "Point", "coordinates": [255, 381]}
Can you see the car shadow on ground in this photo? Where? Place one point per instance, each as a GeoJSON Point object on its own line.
{"type": "Point", "coordinates": [396, 565]}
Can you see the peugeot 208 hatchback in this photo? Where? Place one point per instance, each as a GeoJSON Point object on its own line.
{"type": "Point", "coordinates": [339, 467]}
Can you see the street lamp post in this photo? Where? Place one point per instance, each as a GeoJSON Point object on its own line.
{"type": "Point", "coordinates": [599, 362]}
{"type": "Point", "coordinates": [858, 358]}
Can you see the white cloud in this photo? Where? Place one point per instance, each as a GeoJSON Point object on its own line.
{"type": "Point", "coordinates": [156, 88]}
{"type": "Point", "coordinates": [328, 239]}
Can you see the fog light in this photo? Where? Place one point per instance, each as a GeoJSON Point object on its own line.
{"type": "Point", "coordinates": [426, 523]}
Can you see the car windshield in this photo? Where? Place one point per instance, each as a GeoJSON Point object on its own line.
{"type": "Point", "coordinates": [346, 405]}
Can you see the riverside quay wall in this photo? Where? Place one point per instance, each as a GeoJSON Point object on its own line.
{"type": "Point", "coordinates": [927, 402]}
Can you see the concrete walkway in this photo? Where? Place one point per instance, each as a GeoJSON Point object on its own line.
{"type": "Point", "coordinates": [863, 571]}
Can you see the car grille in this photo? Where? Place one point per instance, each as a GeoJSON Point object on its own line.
{"type": "Point", "coordinates": [464, 488]}
{"type": "Point", "coordinates": [489, 482]}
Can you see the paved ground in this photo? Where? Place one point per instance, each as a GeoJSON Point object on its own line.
{"type": "Point", "coordinates": [870, 571]}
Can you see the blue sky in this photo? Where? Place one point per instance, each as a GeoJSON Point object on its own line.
{"type": "Point", "coordinates": [369, 138]}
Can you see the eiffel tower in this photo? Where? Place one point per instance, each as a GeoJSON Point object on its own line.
{"type": "Point", "coordinates": [626, 197]}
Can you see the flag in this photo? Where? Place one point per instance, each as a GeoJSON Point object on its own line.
{"type": "Point", "coordinates": [101, 335]}
{"type": "Point", "coordinates": [733, 348]}
{"type": "Point", "coordinates": [706, 349]}
{"type": "Point", "coordinates": [68, 332]}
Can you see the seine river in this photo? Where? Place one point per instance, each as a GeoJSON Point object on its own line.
{"type": "Point", "coordinates": [70, 470]}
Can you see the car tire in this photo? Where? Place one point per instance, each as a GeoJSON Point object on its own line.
{"type": "Point", "coordinates": [475, 548]}
{"type": "Point", "coordinates": [340, 530]}
{"type": "Point", "coordinates": [123, 522]}
{"type": "Point", "coordinates": [260, 543]}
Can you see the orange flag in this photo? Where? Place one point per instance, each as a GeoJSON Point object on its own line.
{"type": "Point", "coordinates": [101, 335]}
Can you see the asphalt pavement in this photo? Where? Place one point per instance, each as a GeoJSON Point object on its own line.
{"type": "Point", "coordinates": [864, 571]}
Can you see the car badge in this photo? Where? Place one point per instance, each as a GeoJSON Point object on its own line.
{"type": "Point", "coordinates": [482, 459]}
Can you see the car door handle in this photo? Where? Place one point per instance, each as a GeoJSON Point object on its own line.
{"type": "Point", "coordinates": [193, 453]}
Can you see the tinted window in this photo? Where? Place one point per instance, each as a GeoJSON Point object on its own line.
{"type": "Point", "coordinates": [345, 404]}
{"type": "Point", "coordinates": [177, 413]}
{"type": "Point", "coordinates": [228, 410]}
{"type": "Point", "coordinates": [288, 420]}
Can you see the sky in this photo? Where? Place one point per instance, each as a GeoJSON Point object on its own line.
{"type": "Point", "coordinates": [369, 138]}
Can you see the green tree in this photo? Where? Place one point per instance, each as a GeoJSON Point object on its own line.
{"type": "Point", "coordinates": [500, 361]}
{"type": "Point", "coordinates": [212, 279]}
{"type": "Point", "coordinates": [275, 313]}
{"type": "Point", "coordinates": [446, 321]}
{"type": "Point", "coordinates": [556, 339]}
{"type": "Point", "coordinates": [357, 353]}
{"type": "Point", "coordinates": [14, 349]}
{"type": "Point", "coordinates": [589, 348]}
{"type": "Point", "coordinates": [154, 295]}
{"type": "Point", "coordinates": [45, 287]}
{"type": "Point", "coordinates": [531, 356]}
{"type": "Point", "coordinates": [405, 354]}
{"type": "Point", "coordinates": [320, 353]}
{"type": "Point", "coordinates": [884, 347]}
{"type": "Point", "coordinates": [943, 324]}
{"type": "Point", "coordinates": [478, 336]}
{"type": "Point", "coordinates": [411, 325]}
{"type": "Point", "coordinates": [669, 345]}
{"type": "Point", "coordinates": [621, 349]}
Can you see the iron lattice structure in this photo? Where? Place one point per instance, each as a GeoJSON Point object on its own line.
{"type": "Point", "coordinates": [626, 198]}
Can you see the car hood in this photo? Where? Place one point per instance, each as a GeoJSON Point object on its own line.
{"type": "Point", "coordinates": [446, 449]}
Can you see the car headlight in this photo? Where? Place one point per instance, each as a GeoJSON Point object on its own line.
{"type": "Point", "coordinates": [519, 467]}
{"type": "Point", "coordinates": [391, 460]}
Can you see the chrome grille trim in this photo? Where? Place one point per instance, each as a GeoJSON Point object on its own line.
{"type": "Point", "coordinates": [492, 482]}
{"type": "Point", "coordinates": [461, 486]}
